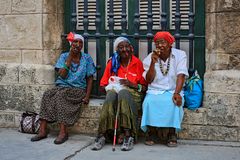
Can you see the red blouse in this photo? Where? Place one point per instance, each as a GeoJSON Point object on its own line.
{"type": "Point", "coordinates": [133, 72]}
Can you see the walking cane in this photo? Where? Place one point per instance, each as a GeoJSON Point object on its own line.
{"type": "Point", "coordinates": [115, 129]}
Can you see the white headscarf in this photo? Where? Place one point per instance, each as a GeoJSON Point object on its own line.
{"type": "Point", "coordinates": [73, 36]}
{"type": "Point", "coordinates": [119, 40]}
{"type": "Point", "coordinates": [78, 36]}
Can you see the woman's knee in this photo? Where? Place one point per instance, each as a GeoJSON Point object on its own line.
{"type": "Point", "coordinates": [111, 96]}
{"type": "Point", "coordinates": [124, 93]}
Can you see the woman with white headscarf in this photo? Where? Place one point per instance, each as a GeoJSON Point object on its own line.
{"type": "Point", "coordinates": [62, 103]}
{"type": "Point", "coordinates": [125, 71]}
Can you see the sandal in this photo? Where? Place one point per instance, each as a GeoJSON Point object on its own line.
{"type": "Point", "coordinates": [149, 141]}
{"type": "Point", "coordinates": [172, 140]}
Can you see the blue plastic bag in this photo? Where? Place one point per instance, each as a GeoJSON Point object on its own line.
{"type": "Point", "coordinates": [193, 92]}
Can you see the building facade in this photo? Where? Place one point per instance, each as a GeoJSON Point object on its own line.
{"type": "Point", "coordinates": [31, 41]}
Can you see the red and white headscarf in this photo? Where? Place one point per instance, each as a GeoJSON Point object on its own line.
{"type": "Point", "coordinates": [72, 36]}
{"type": "Point", "coordinates": [165, 35]}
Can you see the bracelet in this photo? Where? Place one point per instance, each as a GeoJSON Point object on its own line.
{"type": "Point", "coordinates": [65, 67]}
{"type": "Point", "coordinates": [176, 93]}
{"type": "Point", "coordinates": [139, 88]}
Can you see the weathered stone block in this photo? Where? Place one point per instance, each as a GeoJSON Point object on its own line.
{"type": "Point", "coordinates": [9, 73]}
{"type": "Point", "coordinates": [52, 31]}
{"type": "Point", "coordinates": [228, 5]}
{"type": "Point", "coordinates": [50, 6]}
{"type": "Point", "coordinates": [21, 97]}
{"type": "Point", "coordinates": [195, 117]}
{"type": "Point", "coordinates": [234, 61]}
{"type": "Point", "coordinates": [32, 56]}
{"type": "Point", "coordinates": [7, 119]}
{"type": "Point", "coordinates": [90, 112]}
{"type": "Point", "coordinates": [224, 81]}
{"type": "Point", "coordinates": [26, 6]}
{"type": "Point", "coordinates": [210, 6]}
{"type": "Point", "coordinates": [36, 74]}
{"type": "Point", "coordinates": [60, 6]}
{"type": "Point", "coordinates": [222, 5]}
{"type": "Point", "coordinates": [10, 56]}
{"type": "Point", "coordinates": [21, 31]}
{"type": "Point", "coordinates": [228, 35]}
{"type": "Point", "coordinates": [50, 56]}
{"type": "Point", "coordinates": [86, 125]}
{"type": "Point", "coordinates": [217, 133]}
{"type": "Point", "coordinates": [5, 7]}
{"type": "Point", "coordinates": [17, 117]}
{"type": "Point", "coordinates": [219, 61]}
{"type": "Point", "coordinates": [211, 41]}
{"type": "Point", "coordinates": [223, 109]}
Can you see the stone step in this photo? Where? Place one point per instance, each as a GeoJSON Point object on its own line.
{"type": "Point", "coordinates": [194, 127]}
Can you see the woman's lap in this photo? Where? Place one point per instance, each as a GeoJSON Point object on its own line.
{"type": "Point", "coordinates": [160, 111]}
{"type": "Point", "coordinates": [127, 113]}
{"type": "Point", "coordinates": [61, 104]}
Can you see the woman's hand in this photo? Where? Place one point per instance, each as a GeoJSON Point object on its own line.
{"type": "Point", "coordinates": [155, 56]}
{"type": "Point", "coordinates": [127, 83]}
{"type": "Point", "coordinates": [102, 89]}
{"type": "Point", "coordinates": [85, 100]}
{"type": "Point", "coordinates": [177, 99]}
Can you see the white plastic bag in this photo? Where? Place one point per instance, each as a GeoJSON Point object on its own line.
{"type": "Point", "coordinates": [114, 84]}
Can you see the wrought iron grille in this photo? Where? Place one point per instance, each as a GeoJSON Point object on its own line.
{"type": "Point", "coordinates": [80, 23]}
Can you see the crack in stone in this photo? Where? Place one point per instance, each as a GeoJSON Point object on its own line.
{"type": "Point", "coordinates": [77, 151]}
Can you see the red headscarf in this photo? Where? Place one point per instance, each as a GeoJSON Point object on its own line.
{"type": "Point", "coordinates": [165, 35]}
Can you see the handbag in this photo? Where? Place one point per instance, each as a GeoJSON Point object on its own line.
{"type": "Point", "coordinates": [29, 122]}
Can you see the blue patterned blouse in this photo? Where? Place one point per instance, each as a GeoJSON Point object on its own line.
{"type": "Point", "coordinates": [77, 73]}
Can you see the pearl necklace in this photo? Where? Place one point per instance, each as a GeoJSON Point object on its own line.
{"type": "Point", "coordinates": [165, 72]}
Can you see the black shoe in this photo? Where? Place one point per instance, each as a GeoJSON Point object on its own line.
{"type": "Point", "coordinates": [61, 140]}
{"type": "Point", "coordinates": [38, 138]}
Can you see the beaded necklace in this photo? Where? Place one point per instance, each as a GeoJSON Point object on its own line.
{"type": "Point", "coordinates": [165, 72]}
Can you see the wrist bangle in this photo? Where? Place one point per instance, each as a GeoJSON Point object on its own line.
{"type": "Point", "coordinates": [65, 67]}
{"type": "Point", "coordinates": [139, 87]}
{"type": "Point", "coordinates": [176, 93]}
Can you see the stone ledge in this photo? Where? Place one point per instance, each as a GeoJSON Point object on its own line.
{"type": "Point", "coordinates": [194, 127]}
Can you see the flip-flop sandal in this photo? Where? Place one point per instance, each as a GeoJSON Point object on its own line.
{"type": "Point", "coordinates": [172, 141]}
{"type": "Point", "coordinates": [149, 142]}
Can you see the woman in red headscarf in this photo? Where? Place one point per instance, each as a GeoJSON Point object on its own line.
{"type": "Point", "coordinates": [165, 71]}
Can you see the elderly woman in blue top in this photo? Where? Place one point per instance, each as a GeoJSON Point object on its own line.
{"type": "Point", "coordinates": [165, 71]}
{"type": "Point", "coordinates": [62, 103]}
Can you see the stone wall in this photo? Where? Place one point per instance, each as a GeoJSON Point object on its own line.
{"type": "Point", "coordinates": [220, 117]}
{"type": "Point", "coordinates": [29, 45]}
